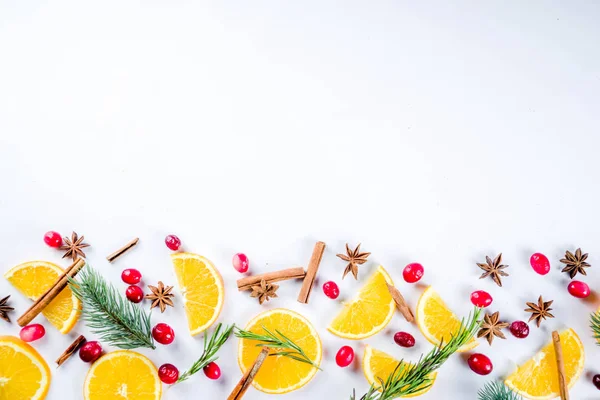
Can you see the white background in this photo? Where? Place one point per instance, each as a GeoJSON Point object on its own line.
{"type": "Point", "coordinates": [429, 132]}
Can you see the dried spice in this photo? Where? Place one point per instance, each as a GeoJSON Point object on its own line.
{"type": "Point", "coordinates": [73, 246]}
{"type": "Point", "coordinates": [161, 296]}
{"type": "Point", "coordinates": [265, 291]}
{"type": "Point", "coordinates": [492, 327]}
{"type": "Point", "coordinates": [539, 311]}
{"type": "Point", "coordinates": [354, 259]}
{"type": "Point", "coordinates": [5, 309]}
{"type": "Point", "coordinates": [575, 263]}
{"type": "Point", "coordinates": [493, 269]}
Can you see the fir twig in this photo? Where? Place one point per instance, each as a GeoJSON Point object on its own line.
{"type": "Point", "coordinates": [497, 391]}
{"type": "Point", "coordinates": [211, 346]}
{"type": "Point", "coordinates": [110, 315]}
{"type": "Point", "coordinates": [595, 325]}
{"type": "Point", "coordinates": [277, 340]}
{"type": "Point", "coordinates": [412, 378]}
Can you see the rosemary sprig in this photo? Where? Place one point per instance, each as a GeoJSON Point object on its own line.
{"type": "Point", "coordinates": [277, 340]}
{"type": "Point", "coordinates": [211, 346]}
{"type": "Point", "coordinates": [595, 325]}
{"type": "Point", "coordinates": [497, 391]}
{"type": "Point", "coordinates": [110, 315]}
{"type": "Point", "coordinates": [412, 378]}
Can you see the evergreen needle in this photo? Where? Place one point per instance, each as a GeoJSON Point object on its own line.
{"type": "Point", "coordinates": [497, 391]}
{"type": "Point", "coordinates": [595, 325]}
{"type": "Point", "coordinates": [108, 314]}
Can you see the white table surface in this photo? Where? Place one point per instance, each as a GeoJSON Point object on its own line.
{"type": "Point", "coordinates": [428, 132]}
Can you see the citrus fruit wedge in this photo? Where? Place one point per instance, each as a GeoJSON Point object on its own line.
{"type": "Point", "coordinates": [378, 366]}
{"type": "Point", "coordinates": [436, 321]}
{"type": "Point", "coordinates": [23, 372]}
{"type": "Point", "coordinates": [369, 312]}
{"type": "Point", "coordinates": [538, 378]}
{"type": "Point", "coordinates": [33, 278]}
{"type": "Point", "coordinates": [202, 289]}
{"type": "Point", "coordinates": [122, 374]}
{"type": "Point", "coordinates": [280, 374]}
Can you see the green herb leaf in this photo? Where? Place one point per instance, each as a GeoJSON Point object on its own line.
{"type": "Point", "coordinates": [497, 391]}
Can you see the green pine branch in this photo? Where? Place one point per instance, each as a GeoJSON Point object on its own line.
{"type": "Point", "coordinates": [497, 391]}
{"type": "Point", "coordinates": [108, 314]}
{"type": "Point", "coordinates": [595, 325]}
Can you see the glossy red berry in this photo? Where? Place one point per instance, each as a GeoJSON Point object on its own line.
{"type": "Point", "coordinates": [53, 239]}
{"type": "Point", "coordinates": [32, 332]}
{"type": "Point", "coordinates": [404, 339]}
{"type": "Point", "coordinates": [413, 272]}
{"type": "Point", "coordinates": [168, 373]}
{"type": "Point", "coordinates": [579, 289]}
{"type": "Point", "coordinates": [331, 289]}
{"type": "Point", "coordinates": [135, 294]}
{"type": "Point", "coordinates": [480, 364]}
{"type": "Point", "coordinates": [596, 381]}
{"type": "Point", "coordinates": [131, 276]}
{"type": "Point", "coordinates": [481, 298]}
{"type": "Point", "coordinates": [344, 356]}
{"type": "Point", "coordinates": [173, 242]}
{"type": "Point", "coordinates": [212, 371]}
{"type": "Point", "coordinates": [240, 262]}
{"type": "Point", "coordinates": [163, 333]}
{"type": "Point", "coordinates": [90, 352]}
{"type": "Point", "coordinates": [519, 329]}
{"type": "Point", "coordinates": [540, 263]}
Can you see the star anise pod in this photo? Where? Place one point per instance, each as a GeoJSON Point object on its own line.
{"type": "Point", "coordinates": [265, 291]}
{"type": "Point", "coordinates": [73, 246]}
{"type": "Point", "coordinates": [354, 259]}
{"type": "Point", "coordinates": [539, 311]}
{"type": "Point", "coordinates": [493, 269]}
{"type": "Point", "coordinates": [5, 309]}
{"type": "Point", "coordinates": [575, 263]}
{"type": "Point", "coordinates": [161, 296]}
{"type": "Point", "coordinates": [491, 327]}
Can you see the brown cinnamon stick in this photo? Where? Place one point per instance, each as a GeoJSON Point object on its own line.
{"type": "Point", "coordinates": [560, 364]}
{"type": "Point", "coordinates": [311, 272]}
{"type": "Point", "coordinates": [70, 350]}
{"type": "Point", "coordinates": [270, 277]}
{"type": "Point", "coordinates": [401, 303]}
{"type": "Point", "coordinates": [45, 299]}
{"type": "Point", "coordinates": [122, 250]}
{"type": "Point", "coordinates": [246, 381]}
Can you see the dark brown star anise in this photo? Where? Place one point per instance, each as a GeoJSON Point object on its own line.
{"type": "Point", "coordinates": [492, 327]}
{"type": "Point", "coordinates": [539, 311]}
{"type": "Point", "coordinates": [575, 263]}
{"type": "Point", "coordinates": [73, 246]}
{"type": "Point", "coordinates": [5, 309]}
{"type": "Point", "coordinates": [354, 259]}
{"type": "Point", "coordinates": [265, 291]}
{"type": "Point", "coordinates": [161, 296]}
{"type": "Point", "coordinates": [493, 269]}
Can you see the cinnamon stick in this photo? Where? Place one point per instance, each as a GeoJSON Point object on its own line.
{"type": "Point", "coordinates": [401, 303]}
{"type": "Point", "coordinates": [311, 272]}
{"type": "Point", "coordinates": [45, 299]}
{"type": "Point", "coordinates": [270, 277]}
{"type": "Point", "coordinates": [70, 350]}
{"type": "Point", "coordinates": [122, 250]}
{"type": "Point", "coordinates": [560, 364]}
{"type": "Point", "coordinates": [246, 381]}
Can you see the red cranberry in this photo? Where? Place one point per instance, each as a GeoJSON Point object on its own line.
{"type": "Point", "coordinates": [173, 242]}
{"type": "Point", "coordinates": [131, 276]}
{"type": "Point", "coordinates": [241, 262]}
{"type": "Point", "coordinates": [404, 339]}
{"type": "Point", "coordinates": [540, 263]}
{"type": "Point", "coordinates": [519, 329]}
{"type": "Point", "coordinates": [596, 381]}
{"type": "Point", "coordinates": [168, 373]}
{"type": "Point", "coordinates": [90, 352]}
{"type": "Point", "coordinates": [331, 289]}
{"type": "Point", "coordinates": [481, 298]}
{"type": "Point", "coordinates": [135, 294]}
{"type": "Point", "coordinates": [344, 356]}
{"type": "Point", "coordinates": [480, 364]}
{"type": "Point", "coordinates": [579, 289]}
{"type": "Point", "coordinates": [212, 371]}
{"type": "Point", "coordinates": [413, 272]}
{"type": "Point", "coordinates": [53, 239]}
{"type": "Point", "coordinates": [163, 333]}
{"type": "Point", "coordinates": [32, 332]}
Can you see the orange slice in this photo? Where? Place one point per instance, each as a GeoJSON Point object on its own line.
{"type": "Point", "coordinates": [23, 372]}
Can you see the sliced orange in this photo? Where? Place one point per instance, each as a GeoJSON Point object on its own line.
{"type": "Point", "coordinates": [436, 321]}
{"type": "Point", "coordinates": [202, 289]}
{"type": "Point", "coordinates": [23, 372]}
{"type": "Point", "coordinates": [369, 312]}
{"type": "Point", "coordinates": [280, 374]}
{"type": "Point", "coordinates": [122, 374]}
{"type": "Point", "coordinates": [378, 366]}
{"type": "Point", "coordinates": [538, 378]}
{"type": "Point", "coordinates": [33, 278]}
